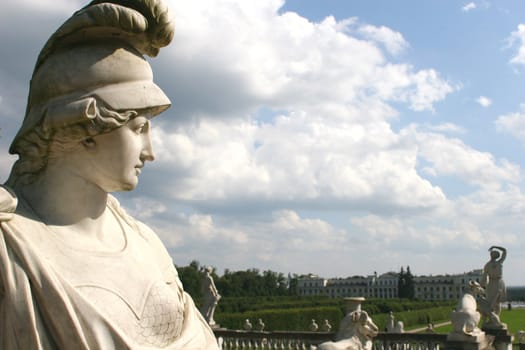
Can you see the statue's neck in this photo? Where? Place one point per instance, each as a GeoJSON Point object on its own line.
{"type": "Point", "coordinates": [59, 197]}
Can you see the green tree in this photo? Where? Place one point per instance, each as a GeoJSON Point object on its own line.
{"type": "Point", "coordinates": [406, 284]}
{"type": "Point", "coordinates": [191, 277]}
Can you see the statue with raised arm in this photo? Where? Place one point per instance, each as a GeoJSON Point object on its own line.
{"type": "Point", "coordinates": [211, 297]}
{"type": "Point", "coordinates": [492, 281]}
{"type": "Point", "coordinates": [76, 271]}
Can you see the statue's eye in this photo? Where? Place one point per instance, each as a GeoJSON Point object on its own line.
{"type": "Point", "coordinates": [142, 128]}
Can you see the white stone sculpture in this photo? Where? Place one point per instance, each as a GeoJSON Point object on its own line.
{"type": "Point", "coordinates": [76, 271]}
{"type": "Point", "coordinates": [314, 327]}
{"type": "Point", "coordinates": [465, 318]}
{"type": "Point", "coordinates": [399, 328]}
{"type": "Point", "coordinates": [260, 325]}
{"type": "Point", "coordinates": [430, 328]}
{"type": "Point", "coordinates": [247, 325]}
{"type": "Point", "coordinates": [390, 322]}
{"type": "Point", "coordinates": [356, 330]}
{"type": "Point", "coordinates": [211, 297]}
{"type": "Point", "coordinates": [326, 327]}
{"type": "Point", "coordinates": [495, 290]}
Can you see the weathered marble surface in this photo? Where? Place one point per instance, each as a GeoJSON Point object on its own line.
{"type": "Point", "coordinates": [76, 271]}
{"type": "Point", "coordinates": [465, 317]}
{"type": "Point", "coordinates": [356, 330]}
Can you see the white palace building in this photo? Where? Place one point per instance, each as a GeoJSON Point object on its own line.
{"type": "Point", "coordinates": [438, 287]}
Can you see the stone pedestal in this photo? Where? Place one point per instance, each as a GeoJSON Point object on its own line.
{"type": "Point", "coordinates": [353, 303]}
{"type": "Point", "coordinates": [502, 338]}
{"type": "Point", "coordinates": [480, 341]}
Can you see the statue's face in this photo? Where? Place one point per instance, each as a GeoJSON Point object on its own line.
{"type": "Point", "coordinates": [116, 158]}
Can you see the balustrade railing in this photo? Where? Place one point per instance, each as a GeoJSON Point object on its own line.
{"type": "Point", "coordinates": [410, 341]}
{"type": "Point", "coordinates": [252, 340]}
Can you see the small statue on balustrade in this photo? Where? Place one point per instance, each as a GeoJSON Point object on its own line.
{"type": "Point", "coordinates": [326, 327]}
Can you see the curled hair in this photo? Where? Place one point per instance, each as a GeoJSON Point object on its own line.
{"type": "Point", "coordinates": [40, 146]}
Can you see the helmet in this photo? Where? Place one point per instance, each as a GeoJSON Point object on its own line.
{"type": "Point", "coordinates": [97, 55]}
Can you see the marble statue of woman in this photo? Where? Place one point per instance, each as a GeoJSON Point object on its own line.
{"type": "Point", "coordinates": [211, 297]}
{"type": "Point", "coordinates": [77, 272]}
{"type": "Point", "coordinates": [492, 281]}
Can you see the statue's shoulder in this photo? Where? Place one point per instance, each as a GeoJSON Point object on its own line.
{"type": "Point", "coordinates": [147, 234]}
{"type": "Point", "coordinates": [8, 203]}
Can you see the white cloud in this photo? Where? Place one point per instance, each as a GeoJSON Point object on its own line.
{"type": "Point", "coordinates": [513, 124]}
{"type": "Point", "coordinates": [468, 7]}
{"type": "Point", "coordinates": [484, 101]}
{"type": "Point", "coordinates": [285, 61]}
{"type": "Point", "coordinates": [331, 139]}
{"type": "Point", "coordinates": [452, 157]}
{"type": "Point", "coordinates": [393, 41]}
{"type": "Point", "coordinates": [145, 208]}
{"type": "Point", "coordinates": [444, 128]}
{"type": "Point", "coordinates": [517, 38]}
{"type": "Point", "coordinates": [297, 158]}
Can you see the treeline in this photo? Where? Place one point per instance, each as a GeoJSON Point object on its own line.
{"type": "Point", "coordinates": [248, 283]}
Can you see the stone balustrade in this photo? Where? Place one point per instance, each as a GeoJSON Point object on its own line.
{"type": "Point", "coordinates": [244, 340]}
{"type": "Point", "coordinates": [410, 341]}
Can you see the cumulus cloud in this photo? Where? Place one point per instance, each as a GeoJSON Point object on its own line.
{"type": "Point", "coordinates": [450, 128]}
{"type": "Point", "coordinates": [284, 61]}
{"type": "Point", "coordinates": [450, 156]}
{"type": "Point", "coordinates": [393, 41]}
{"type": "Point", "coordinates": [484, 101]}
{"type": "Point", "coordinates": [513, 124]}
{"type": "Point", "coordinates": [296, 159]}
{"type": "Point", "coordinates": [517, 39]}
{"type": "Point", "coordinates": [328, 137]}
{"type": "Point", "coordinates": [468, 7]}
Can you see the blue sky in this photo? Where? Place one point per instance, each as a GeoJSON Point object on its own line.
{"type": "Point", "coordinates": [331, 137]}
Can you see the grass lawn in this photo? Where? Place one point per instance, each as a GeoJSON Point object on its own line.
{"type": "Point", "coordinates": [515, 320]}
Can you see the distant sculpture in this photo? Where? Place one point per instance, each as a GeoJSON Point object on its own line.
{"type": "Point", "coordinates": [495, 290]}
{"type": "Point", "coordinates": [465, 317]}
{"type": "Point", "coordinates": [76, 271]}
{"type": "Point", "coordinates": [260, 325]}
{"type": "Point", "coordinates": [399, 328]}
{"type": "Point", "coordinates": [211, 297]}
{"type": "Point", "coordinates": [326, 327]}
{"type": "Point", "coordinates": [355, 332]}
{"type": "Point", "coordinates": [247, 325]}
{"type": "Point", "coordinates": [390, 322]}
{"type": "Point", "coordinates": [430, 328]}
{"type": "Point", "coordinates": [314, 327]}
